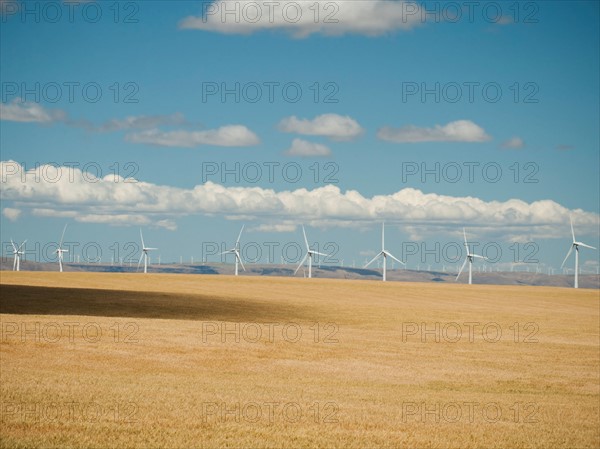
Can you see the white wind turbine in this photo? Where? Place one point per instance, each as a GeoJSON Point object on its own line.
{"type": "Point", "coordinates": [144, 254]}
{"type": "Point", "coordinates": [469, 259]}
{"type": "Point", "coordinates": [60, 250]}
{"type": "Point", "coordinates": [17, 253]}
{"type": "Point", "coordinates": [575, 245]}
{"type": "Point", "coordinates": [383, 253]}
{"type": "Point", "coordinates": [236, 250]}
{"type": "Point", "coordinates": [309, 254]}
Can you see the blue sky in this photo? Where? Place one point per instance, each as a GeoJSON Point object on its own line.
{"type": "Point", "coordinates": [161, 56]}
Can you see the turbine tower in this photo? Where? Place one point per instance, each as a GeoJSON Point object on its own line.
{"type": "Point", "coordinates": [60, 250]}
{"type": "Point", "coordinates": [575, 245]}
{"type": "Point", "coordinates": [309, 254]}
{"type": "Point", "coordinates": [236, 250]}
{"type": "Point", "coordinates": [17, 253]}
{"type": "Point", "coordinates": [469, 259]}
{"type": "Point", "coordinates": [144, 254]}
{"type": "Point", "coordinates": [383, 253]}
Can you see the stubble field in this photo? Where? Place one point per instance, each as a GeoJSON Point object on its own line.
{"type": "Point", "coordinates": [159, 360]}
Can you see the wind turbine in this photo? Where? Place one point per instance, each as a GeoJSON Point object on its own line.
{"type": "Point", "coordinates": [144, 254]}
{"type": "Point", "coordinates": [309, 254]}
{"type": "Point", "coordinates": [575, 245]}
{"type": "Point", "coordinates": [17, 253]}
{"type": "Point", "coordinates": [469, 259]}
{"type": "Point", "coordinates": [236, 250]}
{"type": "Point", "coordinates": [383, 253]}
{"type": "Point", "coordinates": [60, 251]}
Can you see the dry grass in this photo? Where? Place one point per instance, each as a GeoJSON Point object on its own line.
{"type": "Point", "coordinates": [175, 384]}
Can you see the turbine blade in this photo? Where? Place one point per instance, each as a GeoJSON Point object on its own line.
{"type": "Point", "coordinates": [301, 263]}
{"type": "Point", "coordinates": [465, 236]}
{"type": "Point", "coordinates": [572, 230]}
{"type": "Point", "coordinates": [13, 245]}
{"type": "Point", "coordinates": [140, 261]}
{"type": "Point", "coordinates": [383, 236]}
{"type": "Point", "coordinates": [373, 259]}
{"type": "Point", "coordinates": [586, 246]}
{"type": "Point", "coordinates": [62, 237]}
{"type": "Point", "coordinates": [568, 254]}
{"type": "Point", "coordinates": [477, 256]}
{"type": "Point", "coordinates": [22, 244]}
{"type": "Point", "coordinates": [239, 257]}
{"type": "Point", "coordinates": [305, 239]}
{"type": "Point", "coordinates": [461, 269]}
{"type": "Point", "coordinates": [142, 237]}
{"type": "Point", "coordinates": [320, 254]}
{"type": "Point", "coordinates": [239, 236]}
{"type": "Point", "coordinates": [392, 256]}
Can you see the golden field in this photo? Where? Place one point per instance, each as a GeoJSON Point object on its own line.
{"type": "Point", "coordinates": [143, 361]}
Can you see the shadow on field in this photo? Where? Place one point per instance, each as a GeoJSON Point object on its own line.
{"type": "Point", "coordinates": [28, 300]}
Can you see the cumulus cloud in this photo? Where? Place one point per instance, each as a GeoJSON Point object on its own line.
{"type": "Point", "coordinates": [513, 143]}
{"type": "Point", "coordinates": [225, 136]}
{"type": "Point", "coordinates": [301, 19]}
{"type": "Point", "coordinates": [11, 213]}
{"type": "Point", "coordinates": [274, 227]}
{"type": "Point", "coordinates": [106, 198]}
{"type": "Point", "coordinates": [20, 111]}
{"type": "Point", "coordinates": [141, 122]}
{"type": "Point", "coordinates": [333, 126]}
{"type": "Point", "coordinates": [457, 131]}
{"type": "Point", "coordinates": [302, 148]}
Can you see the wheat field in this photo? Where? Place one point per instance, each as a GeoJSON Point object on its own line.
{"type": "Point", "coordinates": [94, 360]}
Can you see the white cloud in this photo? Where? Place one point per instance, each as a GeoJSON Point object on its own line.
{"type": "Point", "coordinates": [142, 122]}
{"type": "Point", "coordinates": [303, 148]}
{"type": "Point", "coordinates": [300, 19]}
{"type": "Point", "coordinates": [274, 227]}
{"type": "Point", "coordinates": [333, 126]}
{"type": "Point", "coordinates": [18, 111]}
{"type": "Point", "coordinates": [115, 201]}
{"type": "Point", "coordinates": [43, 212]}
{"type": "Point", "coordinates": [11, 214]}
{"type": "Point", "coordinates": [513, 143]}
{"type": "Point", "coordinates": [457, 131]}
{"type": "Point", "coordinates": [225, 136]}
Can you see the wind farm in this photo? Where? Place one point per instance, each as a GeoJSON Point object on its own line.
{"type": "Point", "coordinates": [237, 224]}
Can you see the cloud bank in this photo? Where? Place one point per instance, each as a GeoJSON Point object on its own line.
{"type": "Point", "coordinates": [301, 19]}
{"type": "Point", "coordinates": [106, 201]}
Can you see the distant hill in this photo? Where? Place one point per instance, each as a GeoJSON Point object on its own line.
{"type": "Point", "coordinates": [334, 272]}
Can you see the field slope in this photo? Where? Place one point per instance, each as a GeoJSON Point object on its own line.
{"type": "Point", "coordinates": [171, 360]}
